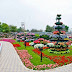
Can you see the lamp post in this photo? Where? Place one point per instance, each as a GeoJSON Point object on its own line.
{"type": "Point", "coordinates": [41, 48]}
{"type": "Point", "coordinates": [25, 42]}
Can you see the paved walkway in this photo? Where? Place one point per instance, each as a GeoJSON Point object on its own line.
{"type": "Point", "coordinates": [10, 62]}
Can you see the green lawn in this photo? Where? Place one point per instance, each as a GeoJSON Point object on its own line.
{"type": "Point", "coordinates": [36, 58]}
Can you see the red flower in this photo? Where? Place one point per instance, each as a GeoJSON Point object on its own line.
{"type": "Point", "coordinates": [16, 45]}
{"type": "Point", "coordinates": [36, 41]}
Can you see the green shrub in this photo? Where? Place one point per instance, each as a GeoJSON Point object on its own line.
{"type": "Point", "coordinates": [37, 35]}
{"type": "Point", "coordinates": [45, 37]}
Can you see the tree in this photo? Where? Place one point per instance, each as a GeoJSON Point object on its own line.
{"type": "Point", "coordinates": [27, 30]}
{"type": "Point", "coordinates": [49, 29]}
{"type": "Point", "coordinates": [19, 29]}
{"type": "Point", "coordinates": [35, 30]}
{"type": "Point", "coordinates": [5, 28]}
{"type": "Point", "coordinates": [0, 27]}
{"type": "Point", "coordinates": [66, 28]}
{"type": "Point", "coordinates": [13, 28]}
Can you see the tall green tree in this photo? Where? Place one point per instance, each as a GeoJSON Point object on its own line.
{"type": "Point", "coordinates": [35, 30]}
{"type": "Point", "coordinates": [5, 28]}
{"type": "Point", "coordinates": [0, 27]}
{"type": "Point", "coordinates": [49, 28]}
{"type": "Point", "coordinates": [66, 28]}
{"type": "Point", "coordinates": [19, 29]}
{"type": "Point", "coordinates": [13, 28]}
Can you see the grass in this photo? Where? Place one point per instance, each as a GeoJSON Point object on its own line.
{"type": "Point", "coordinates": [52, 54]}
{"type": "Point", "coordinates": [36, 60]}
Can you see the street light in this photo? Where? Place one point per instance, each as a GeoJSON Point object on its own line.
{"type": "Point", "coordinates": [41, 48]}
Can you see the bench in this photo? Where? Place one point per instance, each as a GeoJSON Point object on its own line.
{"type": "Point", "coordinates": [0, 47]}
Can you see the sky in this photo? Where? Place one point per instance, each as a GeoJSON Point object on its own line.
{"type": "Point", "coordinates": [35, 14]}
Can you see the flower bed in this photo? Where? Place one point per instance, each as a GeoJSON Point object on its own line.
{"type": "Point", "coordinates": [16, 45]}
{"type": "Point", "coordinates": [28, 60]}
{"type": "Point", "coordinates": [25, 57]}
{"type": "Point", "coordinates": [60, 60]}
{"type": "Point", "coordinates": [58, 52]}
{"type": "Point", "coordinates": [8, 40]}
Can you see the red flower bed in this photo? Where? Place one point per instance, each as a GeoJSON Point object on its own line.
{"type": "Point", "coordinates": [37, 51]}
{"type": "Point", "coordinates": [36, 41]}
{"type": "Point", "coordinates": [27, 43]}
{"type": "Point", "coordinates": [60, 60]}
{"type": "Point", "coordinates": [16, 45]}
{"type": "Point", "coordinates": [45, 47]}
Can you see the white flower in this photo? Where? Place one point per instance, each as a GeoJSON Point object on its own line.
{"type": "Point", "coordinates": [32, 43]}
{"type": "Point", "coordinates": [45, 45]}
{"type": "Point", "coordinates": [38, 45]}
{"type": "Point", "coordinates": [50, 44]}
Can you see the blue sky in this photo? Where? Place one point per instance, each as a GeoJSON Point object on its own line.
{"type": "Point", "coordinates": [35, 13]}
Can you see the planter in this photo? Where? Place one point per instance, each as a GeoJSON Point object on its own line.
{"type": "Point", "coordinates": [58, 23]}
{"type": "Point", "coordinates": [58, 27]}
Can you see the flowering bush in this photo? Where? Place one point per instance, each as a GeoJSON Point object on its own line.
{"type": "Point", "coordinates": [16, 45]}
{"type": "Point", "coordinates": [50, 44]}
{"type": "Point", "coordinates": [55, 32]}
{"type": "Point", "coordinates": [38, 45]}
{"type": "Point", "coordinates": [41, 39]}
{"type": "Point", "coordinates": [30, 34]}
{"type": "Point", "coordinates": [36, 41]}
{"type": "Point", "coordinates": [8, 40]}
{"type": "Point", "coordinates": [32, 43]}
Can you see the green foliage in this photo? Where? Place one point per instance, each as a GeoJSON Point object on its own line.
{"type": "Point", "coordinates": [37, 35]}
{"type": "Point", "coordinates": [58, 52]}
{"type": "Point", "coordinates": [0, 27]}
{"type": "Point", "coordinates": [36, 60]}
{"type": "Point", "coordinates": [53, 54]}
{"type": "Point", "coordinates": [13, 28]}
{"type": "Point", "coordinates": [35, 30]}
{"type": "Point", "coordinates": [49, 29]}
{"type": "Point", "coordinates": [20, 29]}
{"type": "Point", "coordinates": [66, 28]}
{"type": "Point", "coordinates": [45, 37]}
{"type": "Point", "coordinates": [5, 28]}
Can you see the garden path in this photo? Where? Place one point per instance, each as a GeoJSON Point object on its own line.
{"type": "Point", "coordinates": [10, 61]}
